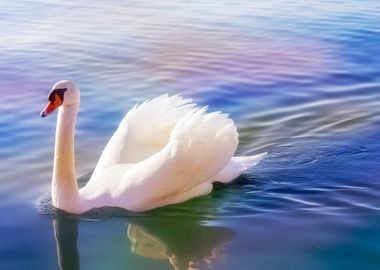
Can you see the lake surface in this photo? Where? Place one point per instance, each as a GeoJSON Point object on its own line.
{"type": "Point", "coordinates": [300, 79]}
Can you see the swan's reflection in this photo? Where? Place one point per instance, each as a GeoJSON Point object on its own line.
{"type": "Point", "coordinates": [185, 244]}
{"type": "Point", "coordinates": [66, 234]}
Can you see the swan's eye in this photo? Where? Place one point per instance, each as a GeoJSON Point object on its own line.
{"type": "Point", "coordinates": [59, 92]}
{"type": "Point", "coordinates": [52, 97]}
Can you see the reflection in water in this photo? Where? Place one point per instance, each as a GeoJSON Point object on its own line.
{"type": "Point", "coordinates": [186, 244]}
{"type": "Point", "coordinates": [66, 234]}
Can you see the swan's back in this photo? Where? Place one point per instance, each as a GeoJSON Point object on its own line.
{"type": "Point", "coordinates": [164, 148]}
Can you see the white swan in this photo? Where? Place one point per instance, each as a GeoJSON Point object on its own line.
{"type": "Point", "coordinates": [164, 151]}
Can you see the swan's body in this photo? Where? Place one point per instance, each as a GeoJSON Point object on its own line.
{"type": "Point", "coordinates": [164, 151]}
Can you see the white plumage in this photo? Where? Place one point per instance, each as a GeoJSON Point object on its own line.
{"type": "Point", "coordinates": [165, 151]}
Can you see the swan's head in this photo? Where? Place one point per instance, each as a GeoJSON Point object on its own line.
{"type": "Point", "coordinates": [63, 93]}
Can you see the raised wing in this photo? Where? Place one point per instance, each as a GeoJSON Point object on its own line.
{"type": "Point", "coordinates": [144, 130]}
{"type": "Point", "coordinates": [164, 151]}
{"type": "Point", "coordinates": [200, 145]}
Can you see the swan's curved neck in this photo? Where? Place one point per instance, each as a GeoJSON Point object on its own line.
{"type": "Point", "coordinates": [64, 187]}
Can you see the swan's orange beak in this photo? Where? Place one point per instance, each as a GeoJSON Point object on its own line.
{"type": "Point", "coordinates": [51, 106]}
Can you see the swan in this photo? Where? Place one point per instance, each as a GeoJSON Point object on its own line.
{"type": "Point", "coordinates": [164, 151]}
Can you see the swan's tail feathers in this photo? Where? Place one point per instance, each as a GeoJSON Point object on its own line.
{"type": "Point", "coordinates": [236, 167]}
{"type": "Point", "coordinates": [247, 162]}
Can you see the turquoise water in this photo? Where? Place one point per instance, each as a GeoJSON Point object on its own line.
{"type": "Point", "coordinates": [300, 79]}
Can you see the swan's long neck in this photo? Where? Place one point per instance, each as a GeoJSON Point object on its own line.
{"type": "Point", "coordinates": [64, 187]}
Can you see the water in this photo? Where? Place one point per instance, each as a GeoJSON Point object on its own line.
{"type": "Point", "coordinates": [301, 80]}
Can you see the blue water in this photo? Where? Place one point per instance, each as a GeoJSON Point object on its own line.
{"type": "Point", "coordinates": [300, 79]}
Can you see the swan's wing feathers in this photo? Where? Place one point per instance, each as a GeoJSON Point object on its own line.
{"type": "Point", "coordinates": [144, 130]}
{"type": "Point", "coordinates": [202, 144]}
{"type": "Point", "coordinates": [172, 149]}
{"type": "Point", "coordinates": [199, 126]}
{"type": "Point", "coordinates": [156, 115]}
